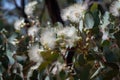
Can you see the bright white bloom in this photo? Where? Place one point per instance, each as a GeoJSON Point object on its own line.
{"type": "Point", "coordinates": [115, 8]}
{"type": "Point", "coordinates": [74, 13]}
{"type": "Point", "coordinates": [18, 24]}
{"type": "Point", "coordinates": [30, 7]}
{"type": "Point", "coordinates": [70, 35]}
{"type": "Point", "coordinates": [48, 38]}
{"type": "Point", "coordinates": [32, 31]}
{"type": "Point", "coordinates": [34, 55]}
{"type": "Point", "coordinates": [67, 32]}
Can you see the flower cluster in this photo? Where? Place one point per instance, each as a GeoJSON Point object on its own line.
{"type": "Point", "coordinates": [65, 35]}
{"type": "Point", "coordinates": [69, 35]}
{"type": "Point", "coordinates": [85, 41]}
{"type": "Point", "coordinates": [34, 55]}
{"type": "Point", "coordinates": [18, 24]}
{"type": "Point", "coordinates": [74, 13]}
{"type": "Point", "coordinates": [115, 8]}
{"type": "Point", "coordinates": [30, 7]}
{"type": "Point", "coordinates": [48, 38]}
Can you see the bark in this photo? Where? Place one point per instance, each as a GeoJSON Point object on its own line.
{"type": "Point", "coordinates": [23, 9]}
{"type": "Point", "coordinates": [54, 11]}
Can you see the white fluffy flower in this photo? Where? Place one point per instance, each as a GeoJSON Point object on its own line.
{"type": "Point", "coordinates": [30, 7]}
{"type": "Point", "coordinates": [68, 32]}
{"type": "Point", "coordinates": [70, 35]}
{"type": "Point", "coordinates": [74, 13]}
{"type": "Point", "coordinates": [34, 55]}
{"type": "Point", "coordinates": [32, 31]}
{"type": "Point", "coordinates": [115, 8]}
{"type": "Point", "coordinates": [18, 23]}
{"type": "Point", "coordinates": [48, 38]}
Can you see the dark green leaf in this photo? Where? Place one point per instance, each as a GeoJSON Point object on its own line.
{"type": "Point", "coordinates": [117, 36]}
{"type": "Point", "coordinates": [105, 43]}
{"type": "Point", "coordinates": [50, 56]}
{"type": "Point", "coordinates": [43, 65]}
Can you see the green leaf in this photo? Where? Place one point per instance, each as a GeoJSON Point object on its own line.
{"type": "Point", "coordinates": [81, 25]}
{"type": "Point", "coordinates": [108, 74]}
{"type": "Point", "coordinates": [96, 73]}
{"type": "Point", "coordinates": [47, 78]}
{"type": "Point", "coordinates": [81, 59]}
{"type": "Point", "coordinates": [50, 55]}
{"type": "Point", "coordinates": [117, 36]}
{"type": "Point", "coordinates": [5, 61]}
{"type": "Point", "coordinates": [105, 20]}
{"type": "Point", "coordinates": [98, 70]}
{"type": "Point", "coordinates": [89, 21]}
{"type": "Point", "coordinates": [84, 72]}
{"type": "Point", "coordinates": [105, 43]}
{"type": "Point", "coordinates": [9, 55]}
{"type": "Point", "coordinates": [96, 18]}
{"type": "Point", "coordinates": [15, 76]}
{"type": "Point", "coordinates": [109, 55]}
{"type": "Point", "coordinates": [112, 65]}
{"type": "Point", "coordinates": [62, 75]}
{"type": "Point", "coordinates": [94, 7]}
{"type": "Point", "coordinates": [90, 57]}
{"type": "Point", "coordinates": [48, 58]}
{"type": "Point", "coordinates": [43, 65]}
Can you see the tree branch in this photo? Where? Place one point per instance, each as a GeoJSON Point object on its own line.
{"type": "Point", "coordinates": [54, 11]}
{"type": "Point", "coordinates": [18, 7]}
{"type": "Point", "coordinates": [23, 8]}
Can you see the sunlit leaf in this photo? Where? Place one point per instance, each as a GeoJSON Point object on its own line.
{"type": "Point", "coordinates": [94, 7]}
{"type": "Point", "coordinates": [50, 55]}
{"type": "Point", "coordinates": [81, 25]}
{"type": "Point", "coordinates": [89, 21]}
{"type": "Point", "coordinates": [43, 65]}
{"type": "Point", "coordinates": [96, 73]}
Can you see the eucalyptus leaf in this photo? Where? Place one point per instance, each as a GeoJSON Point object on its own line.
{"type": "Point", "coordinates": [108, 74]}
{"type": "Point", "coordinates": [105, 20]}
{"type": "Point", "coordinates": [47, 78]}
{"type": "Point", "coordinates": [117, 36]}
{"type": "Point", "coordinates": [96, 73]}
{"type": "Point", "coordinates": [43, 65]}
{"type": "Point", "coordinates": [94, 7]}
{"type": "Point", "coordinates": [9, 55]}
{"type": "Point", "coordinates": [89, 21]}
{"type": "Point", "coordinates": [105, 43]}
{"type": "Point", "coordinates": [81, 25]}
{"type": "Point", "coordinates": [84, 73]}
{"type": "Point", "coordinates": [50, 56]}
{"type": "Point", "coordinates": [12, 38]}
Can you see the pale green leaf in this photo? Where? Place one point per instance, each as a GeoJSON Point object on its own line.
{"type": "Point", "coordinates": [89, 21]}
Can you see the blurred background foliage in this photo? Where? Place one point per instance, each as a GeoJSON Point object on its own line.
{"type": "Point", "coordinates": [100, 63]}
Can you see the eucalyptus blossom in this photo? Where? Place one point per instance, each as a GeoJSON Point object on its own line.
{"type": "Point", "coordinates": [115, 8]}
{"type": "Point", "coordinates": [74, 12]}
